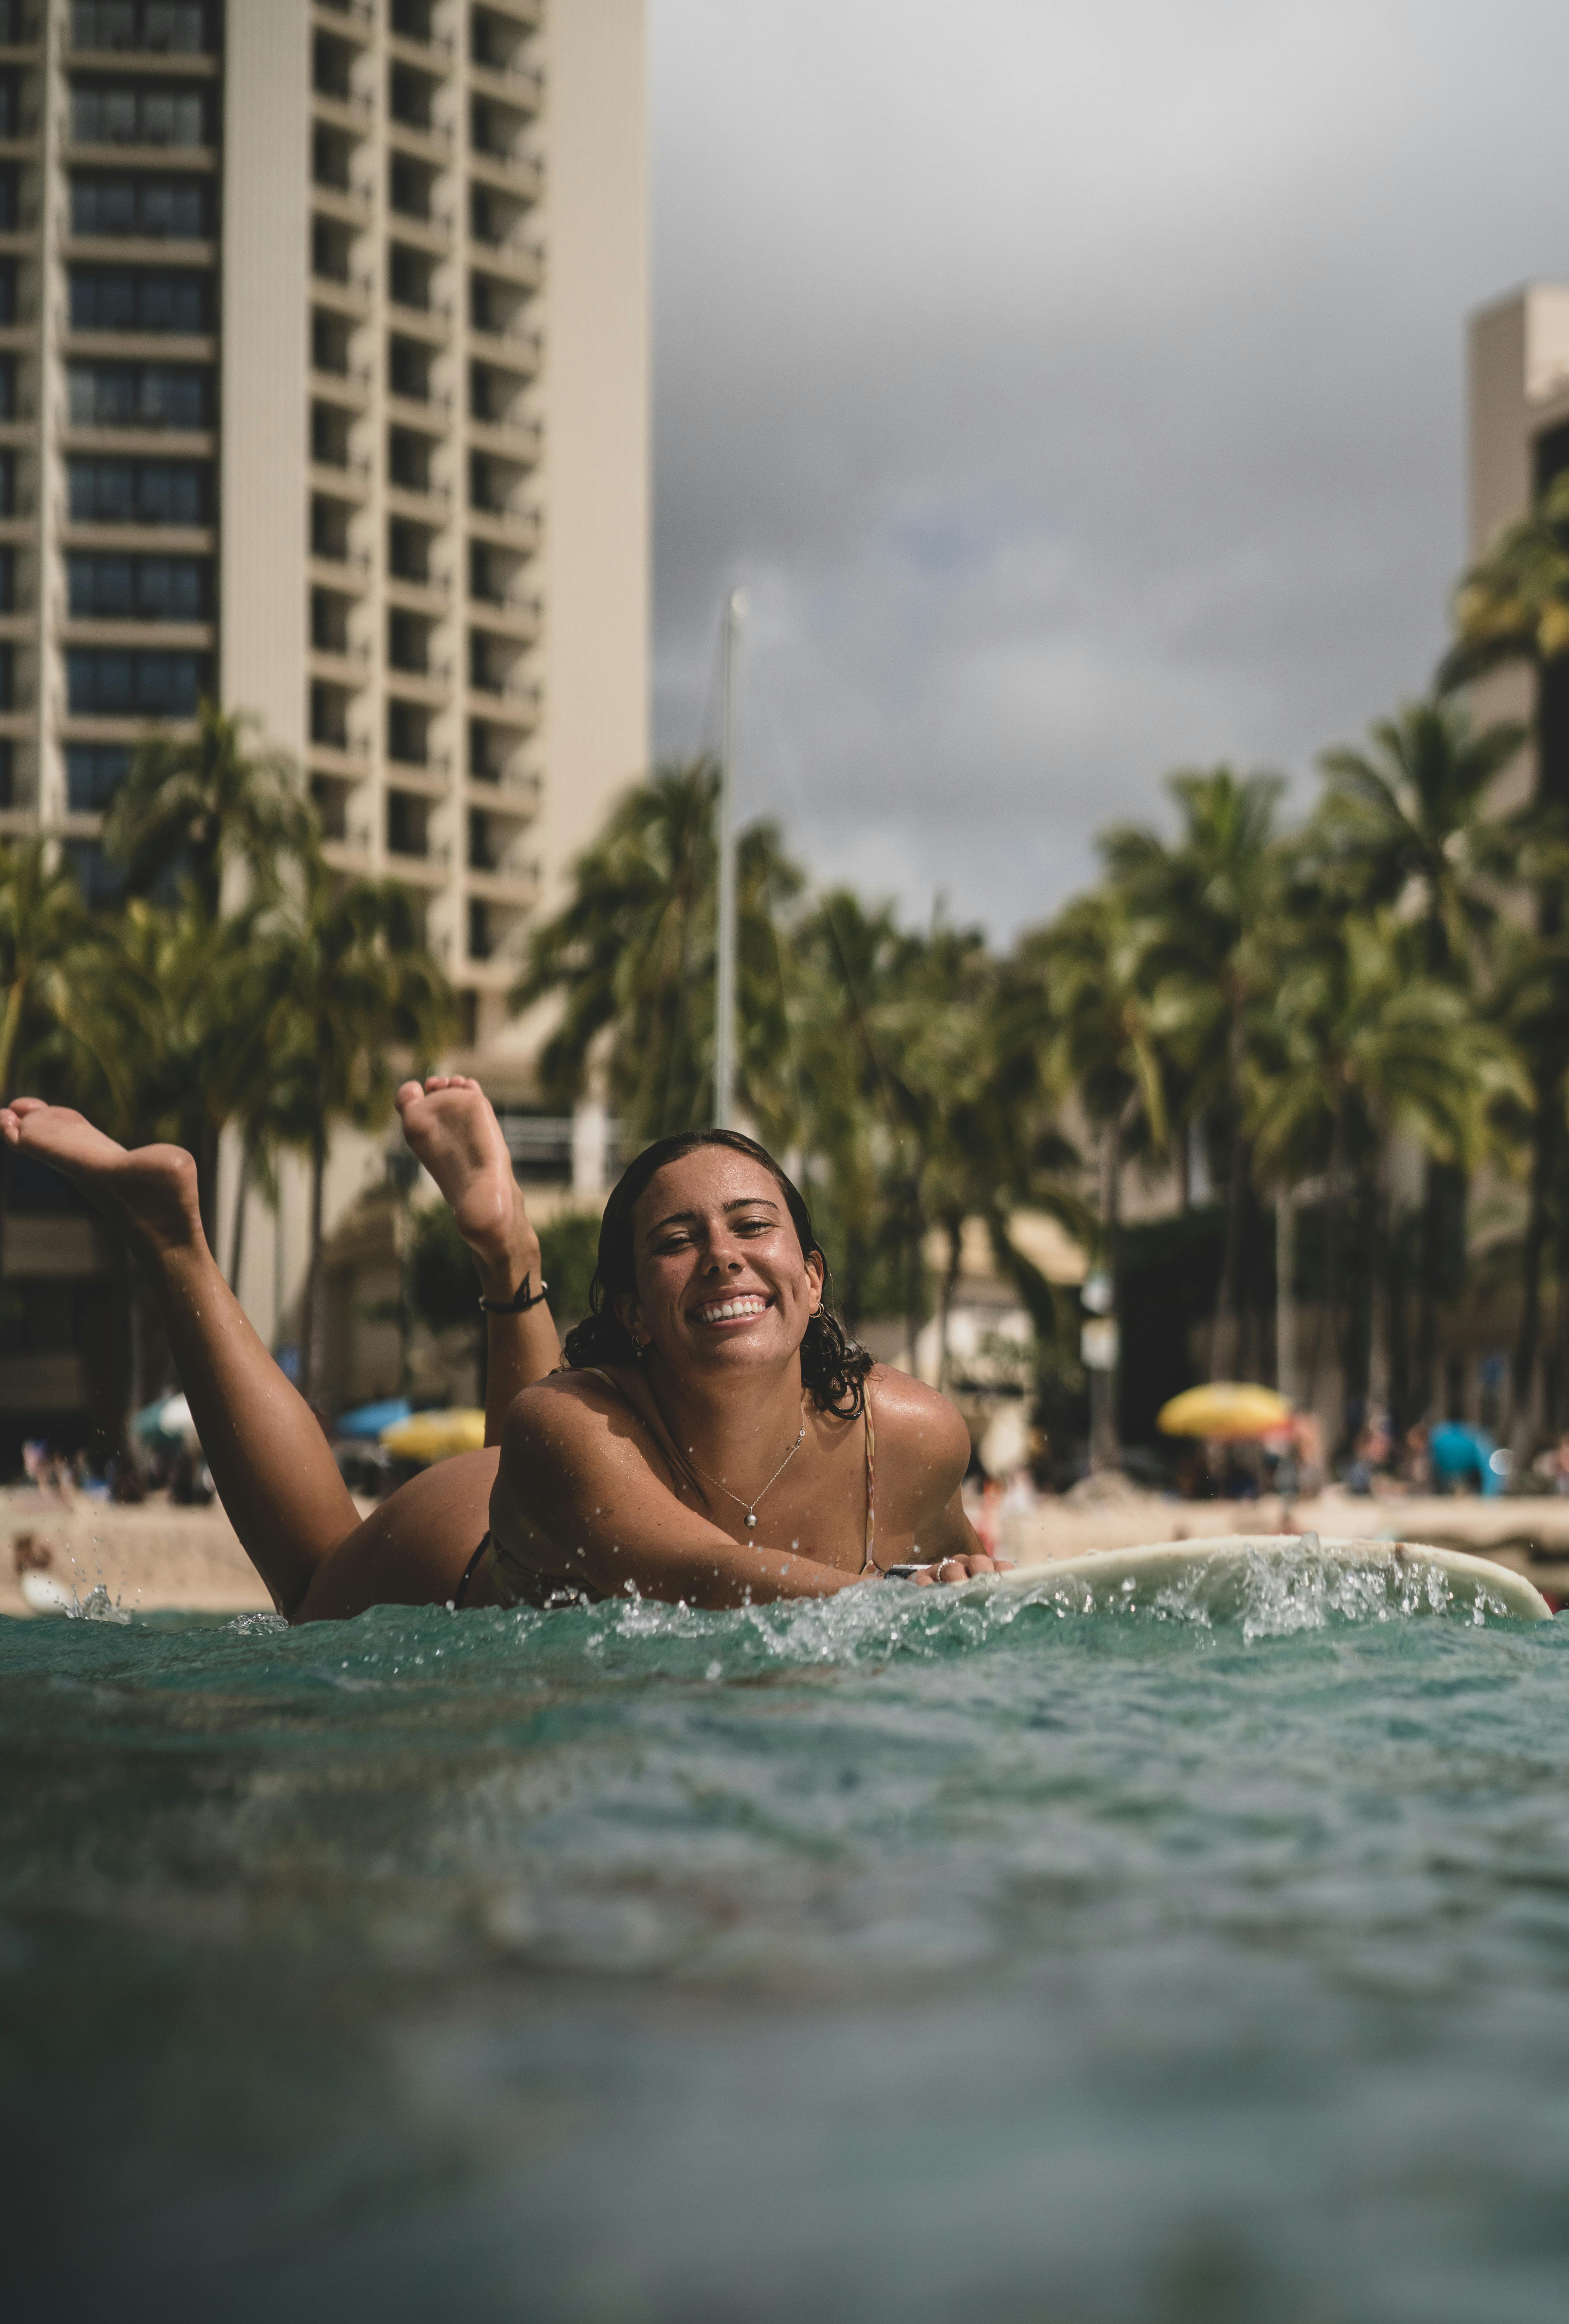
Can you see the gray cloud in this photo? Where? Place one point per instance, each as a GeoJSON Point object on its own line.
{"type": "Point", "coordinates": [1078, 389]}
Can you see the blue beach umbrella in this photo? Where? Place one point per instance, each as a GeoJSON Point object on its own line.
{"type": "Point", "coordinates": [368, 1420]}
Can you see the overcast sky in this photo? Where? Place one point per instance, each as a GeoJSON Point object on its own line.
{"type": "Point", "coordinates": [1077, 389]}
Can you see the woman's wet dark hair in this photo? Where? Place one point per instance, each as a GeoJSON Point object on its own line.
{"type": "Point", "coordinates": [833, 1368]}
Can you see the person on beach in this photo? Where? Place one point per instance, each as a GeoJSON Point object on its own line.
{"type": "Point", "coordinates": [714, 1439]}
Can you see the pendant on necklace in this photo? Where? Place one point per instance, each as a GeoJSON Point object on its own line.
{"type": "Point", "coordinates": [751, 1519]}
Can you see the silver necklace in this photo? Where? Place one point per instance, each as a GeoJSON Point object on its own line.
{"type": "Point", "coordinates": [750, 1506]}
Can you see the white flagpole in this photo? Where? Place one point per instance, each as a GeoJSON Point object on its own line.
{"type": "Point", "coordinates": [725, 981]}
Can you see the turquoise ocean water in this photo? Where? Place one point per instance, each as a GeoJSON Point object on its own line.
{"type": "Point", "coordinates": [913, 1956]}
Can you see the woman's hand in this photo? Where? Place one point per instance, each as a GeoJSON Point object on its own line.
{"type": "Point", "coordinates": [961, 1568]}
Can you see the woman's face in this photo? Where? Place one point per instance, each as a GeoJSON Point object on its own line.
{"type": "Point", "coordinates": [722, 1280]}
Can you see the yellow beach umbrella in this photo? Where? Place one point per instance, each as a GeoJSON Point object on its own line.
{"type": "Point", "coordinates": [428, 1436]}
{"type": "Point", "coordinates": [1227, 1409]}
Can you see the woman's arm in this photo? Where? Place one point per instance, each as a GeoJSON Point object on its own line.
{"type": "Point", "coordinates": [575, 1495]}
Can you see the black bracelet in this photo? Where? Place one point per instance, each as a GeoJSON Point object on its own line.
{"type": "Point", "coordinates": [521, 1300]}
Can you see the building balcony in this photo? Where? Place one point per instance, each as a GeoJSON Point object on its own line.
{"type": "Point", "coordinates": [515, 791]}
{"type": "Point", "coordinates": [520, 530]}
{"type": "Point", "coordinates": [351, 482]}
{"type": "Point", "coordinates": [433, 56]}
{"type": "Point", "coordinates": [429, 780]}
{"type": "Point", "coordinates": [519, 175]}
{"type": "Point", "coordinates": [430, 141]}
{"type": "Point", "coordinates": [433, 235]}
{"type": "Point", "coordinates": [162, 539]}
{"type": "Point", "coordinates": [506, 702]}
{"type": "Point", "coordinates": [517, 351]}
{"type": "Point", "coordinates": [517, 618]}
{"type": "Point", "coordinates": [431, 685]}
{"type": "Point", "coordinates": [518, 440]}
{"type": "Point", "coordinates": [168, 443]}
{"type": "Point", "coordinates": [199, 636]}
{"type": "Point", "coordinates": [514, 884]}
{"type": "Point", "coordinates": [518, 264]}
{"type": "Point", "coordinates": [352, 112]}
{"type": "Point", "coordinates": [351, 206]}
{"type": "Point", "coordinates": [17, 628]}
{"type": "Point", "coordinates": [16, 723]}
{"type": "Point", "coordinates": [433, 594]}
{"type": "Point", "coordinates": [516, 84]}
{"type": "Point", "coordinates": [78, 727]}
{"type": "Point", "coordinates": [431, 871]}
{"type": "Point", "coordinates": [351, 855]}
{"type": "Point", "coordinates": [348, 666]}
{"type": "Point", "coordinates": [431, 323]}
{"type": "Point", "coordinates": [350, 573]}
{"type": "Point", "coordinates": [429, 504]}
{"type": "Point", "coordinates": [347, 757]}
{"type": "Point", "coordinates": [132, 346]}
{"type": "Point", "coordinates": [146, 63]}
{"type": "Point", "coordinates": [345, 20]}
{"type": "Point", "coordinates": [352, 298]}
{"type": "Point", "coordinates": [349, 390]}
{"type": "Point", "coordinates": [430, 415]}
{"type": "Point", "coordinates": [138, 250]}
{"type": "Point", "coordinates": [165, 159]}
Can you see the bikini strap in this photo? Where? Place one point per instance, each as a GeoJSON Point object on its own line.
{"type": "Point", "coordinates": [871, 1565]}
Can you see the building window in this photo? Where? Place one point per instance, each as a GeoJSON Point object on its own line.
{"type": "Point", "coordinates": [118, 115]}
{"type": "Point", "coordinates": [138, 588]}
{"type": "Point", "coordinates": [94, 772]}
{"type": "Point", "coordinates": [481, 942]}
{"type": "Point", "coordinates": [408, 733]}
{"type": "Point", "coordinates": [129, 299]}
{"type": "Point", "coordinates": [165, 208]}
{"type": "Point", "coordinates": [7, 777]}
{"type": "Point", "coordinates": [167, 27]}
{"type": "Point", "coordinates": [139, 492]}
{"type": "Point", "coordinates": [409, 97]}
{"type": "Point", "coordinates": [101, 881]}
{"type": "Point", "coordinates": [138, 395]}
{"type": "Point", "coordinates": [115, 684]}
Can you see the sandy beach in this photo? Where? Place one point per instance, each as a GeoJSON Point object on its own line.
{"type": "Point", "coordinates": [157, 1557]}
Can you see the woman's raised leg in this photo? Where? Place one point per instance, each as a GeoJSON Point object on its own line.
{"type": "Point", "coordinates": [274, 1469]}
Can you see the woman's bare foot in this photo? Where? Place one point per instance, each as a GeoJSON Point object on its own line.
{"type": "Point", "coordinates": [148, 1190]}
{"type": "Point", "coordinates": [451, 1128]}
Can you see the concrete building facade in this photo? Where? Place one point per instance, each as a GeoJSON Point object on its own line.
{"type": "Point", "coordinates": [324, 393]}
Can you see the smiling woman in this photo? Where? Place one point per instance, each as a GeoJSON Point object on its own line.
{"type": "Point", "coordinates": [714, 1439]}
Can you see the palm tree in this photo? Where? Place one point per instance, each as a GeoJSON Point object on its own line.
{"type": "Point", "coordinates": [190, 817]}
{"type": "Point", "coordinates": [201, 806]}
{"type": "Point", "coordinates": [632, 957]}
{"type": "Point", "coordinates": [50, 954]}
{"type": "Point", "coordinates": [348, 981]}
{"type": "Point", "coordinates": [1203, 902]}
{"type": "Point", "coordinates": [1109, 1025]}
{"type": "Point", "coordinates": [1513, 606]}
{"type": "Point", "coordinates": [1407, 823]}
{"type": "Point", "coordinates": [1363, 1044]}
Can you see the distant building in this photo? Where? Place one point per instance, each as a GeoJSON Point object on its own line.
{"type": "Point", "coordinates": [1518, 423]}
{"type": "Point", "coordinates": [324, 390]}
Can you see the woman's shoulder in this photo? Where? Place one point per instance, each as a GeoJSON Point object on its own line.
{"type": "Point", "coordinates": [556, 1400]}
{"type": "Point", "coordinates": [907, 1411]}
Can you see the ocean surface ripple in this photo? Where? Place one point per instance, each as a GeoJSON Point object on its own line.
{"type": "Point", "coordinates": [926, 1955]}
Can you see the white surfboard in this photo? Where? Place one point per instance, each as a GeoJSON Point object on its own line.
{"type": "Point", "coordinates": [1236, 1574]}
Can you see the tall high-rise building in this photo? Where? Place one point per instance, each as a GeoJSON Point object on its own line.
{"type": "Point", "coordinates": [324, 393]}
{"type": "Point", "coordinates": [1519, 431]}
